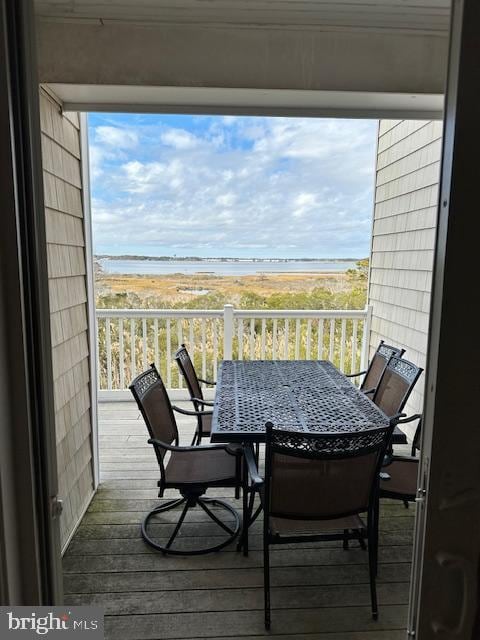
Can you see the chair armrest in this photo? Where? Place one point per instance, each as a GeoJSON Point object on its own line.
{"type": "Point", "coordinates": [205, 402]}
{"type": "Point", "coordinates": [203, 447]}
{"type": "Point", "coordinates": [186, 412]}
{"type": "Point", "coordinates": [415, 416]}
{"type": "Point", "coordinates": [234, 449]}
{"type": "Point", "coordinates": [256, 478]}
{"type": "Point", "coordinates": [395, 419]}
{"type": "Point", "coordinates": [207, 381]}
{"type": "Point", "coordinates": [354, 375]}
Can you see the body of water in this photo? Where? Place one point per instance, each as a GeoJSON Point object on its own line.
{"type": "Point", "coordinates": [157, 267]}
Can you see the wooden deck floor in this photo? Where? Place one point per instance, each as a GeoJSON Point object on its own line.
{"type": "Point", "coordinates": [319, 590]}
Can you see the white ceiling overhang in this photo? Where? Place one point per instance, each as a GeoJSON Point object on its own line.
{"type": "Point", "coordinates": [247, 101]}
{"type": "Point", "coordinates": [353, 58]}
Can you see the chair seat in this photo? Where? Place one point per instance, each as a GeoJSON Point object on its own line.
{"type": "Point", "coordinates": [403, 478]}
{"type": "Point", "coordinates": [200, 467]}
{"type": "Point", "coordinates": [287, 527]}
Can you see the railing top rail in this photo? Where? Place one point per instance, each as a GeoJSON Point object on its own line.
{"type": "Point", "coordinates": [300, 313]}
{"type": "Point", "coordinates": [325, 314]}
{"type": "Point", "coordinates": [159, 313]}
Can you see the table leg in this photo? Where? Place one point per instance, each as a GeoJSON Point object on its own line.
{"type": "Point", "coordinates": [243, 542]}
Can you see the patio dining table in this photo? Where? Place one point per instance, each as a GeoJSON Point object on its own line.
{"type": "Point", "coordinates": [300, 395]}
{"type": "Point", "coordinates": [310, 396]}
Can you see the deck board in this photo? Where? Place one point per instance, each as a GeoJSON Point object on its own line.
{"type": "Point", "coordinates": [319, 591]}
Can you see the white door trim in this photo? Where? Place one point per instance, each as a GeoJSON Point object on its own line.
{"type": "Point", "coordinates": [92, 322]}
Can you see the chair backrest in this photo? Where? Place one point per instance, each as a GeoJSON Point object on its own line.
{"type": "Point", "coordinates": [378, 363]}
{"type": "Point", "coordinates": [187, 370]}
{"type": "Point", "coordinates": [322, 476]}
{"type": "Point", "coordinates": [395, 386]}
{"type": "Point", "coordinates": [154, 404]}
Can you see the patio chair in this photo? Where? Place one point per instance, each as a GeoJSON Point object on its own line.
{"type": "Point", "coordinates": [393, 390]}
{"type": "Point", "coordinates": [377, 366]}
{"type": "Point", "coordinates": [204, 418]}
{"type": "Point", "coordinates": [187, 370]}
{"type": "Point", "coordinates": [315, 488]}
{"type": "Point", "coordinates": [399, 478]}
{"type": "Point", "coordinates": [191, 470]}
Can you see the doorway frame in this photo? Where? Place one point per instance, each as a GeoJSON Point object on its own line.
{"type": "Point", "coordinates": [39, 335]}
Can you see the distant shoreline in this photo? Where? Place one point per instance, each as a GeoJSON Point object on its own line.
{"type": "Point", "coordinates": [220, 259]}
{"type": "Point", "coordinates": [209, 268]}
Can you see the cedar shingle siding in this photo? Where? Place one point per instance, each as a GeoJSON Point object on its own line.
{"type": "Point", "coordinates": [408, 166]}
{"type": "Point", "coordinates": [68, 308]}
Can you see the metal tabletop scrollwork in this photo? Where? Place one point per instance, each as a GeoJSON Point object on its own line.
{"type": "Point", "coordinates": [299, 395]}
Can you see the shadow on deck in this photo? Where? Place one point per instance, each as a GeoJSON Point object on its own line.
{"type": "Point", "coordinates": [318, 589]}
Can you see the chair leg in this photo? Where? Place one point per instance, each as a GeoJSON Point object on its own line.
{"type": "Point", "coordinates": [210, 514]}
{"type": "Point", "coordinates": [178, 525]}
{"type": "Point", "coordinates": [372, 566]}
{"type": "Point", "coordinates": [266, 582]}
{"type": "Point", "coordinates": [190, 502]}
{"type": "Point", "coordinates": [375, 523]}
{"type": "Point", "coordinates": [345, 539]}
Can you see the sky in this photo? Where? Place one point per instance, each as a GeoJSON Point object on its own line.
{"type": "Point", "coordinates": [231, 186]}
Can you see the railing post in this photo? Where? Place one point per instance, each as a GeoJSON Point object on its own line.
{"type": "Point", "coordinates": [366, 339]}
{"type": "Point", "coordinates": [227, 331]}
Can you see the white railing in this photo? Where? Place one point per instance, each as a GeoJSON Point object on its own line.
{"type": "Point", "coordinates": [128, 340]}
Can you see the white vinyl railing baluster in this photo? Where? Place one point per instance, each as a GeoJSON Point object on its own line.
{"type": "Point", "coordinates": [191, 340]}
{"type": "Point", "coordinates": [353, 366]}
{"type": "Point", "coordinates": [169, 353]}
{"type": "Point", "coordinates": [309, 339]}
{"type": "Point", "coordinates": [215, 347]}
{"type": "Point", "coordinates": [155, 344]}
{"type": "Point", "coordinates": [274, 339]}
{"type": "Point", "coordinates": [108, 344]}
{"type": "Point", "coordinates": [144, 343]}
{"type": "Point", "coordinates": [240, 338]}
{"type": "Point", "coordinates": [286, 340]}
{"type": "Point", "coordinates": [320, 340]}
{"type": "Point", "coordinates": [204, 351]}
{"type": "Point", "coordinates": [297, 339]}
{"type": "Point", "coordinates": [342, 344]}
{"type": "Point", "coordinates": [228, 331]}
{"type": "Point", "coordinates": [252, 339]}
{"type": "Point", "coordinates": [133, 354]}
{"type": "Point", "coordinates": [121, 354]}
{"type": "Point", "coordinates": [262, 346]}
{"type": "Point", "coordinates": [332, 340]}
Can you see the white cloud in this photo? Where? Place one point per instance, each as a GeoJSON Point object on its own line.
{"type": "Point", "coordinates": [120, 138]}
{"type": "Point", "coordinates": [179, 139]}
{"type": "Point", "coordinates": [226, 199]}
{"type": "Point", "coordinates": [272, 186]}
